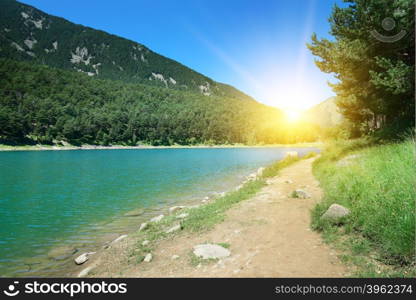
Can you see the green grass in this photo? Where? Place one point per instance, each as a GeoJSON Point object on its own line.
{"type": "Point", "coordinates": [225, 245]}
{"type": "Point", "coordinates": [377, 185]}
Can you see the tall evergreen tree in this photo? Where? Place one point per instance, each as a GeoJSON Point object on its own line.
{"type": "Point", "coordinates": [372, 56]}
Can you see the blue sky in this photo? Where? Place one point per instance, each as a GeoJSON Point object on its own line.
{"type": "Point", "coordinates": [258, 46]}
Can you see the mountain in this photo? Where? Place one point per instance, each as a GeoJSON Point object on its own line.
{"type": "Point", "coordinates": [324, 114]}
{"type": "Point", "coordinates": [67, 83]}
{"type": "Point", "coordinates": [28, 34]}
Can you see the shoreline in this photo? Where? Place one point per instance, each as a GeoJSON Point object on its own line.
{"type": "Point", "coordinates": [166, 216]}
{"type": "Point", "coordinates": [40, 147]}
{"type": "Point", "coordinates": [54, 265]}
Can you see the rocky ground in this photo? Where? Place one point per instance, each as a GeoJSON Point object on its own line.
{"type": "Point", "coordinates": [268, 235]}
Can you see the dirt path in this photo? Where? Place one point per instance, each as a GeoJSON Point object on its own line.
{"type": "Point", "coordinates": [268, 236]}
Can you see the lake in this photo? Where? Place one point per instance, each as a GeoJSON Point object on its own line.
{"type": "Point", "coordinates": [49, 199]}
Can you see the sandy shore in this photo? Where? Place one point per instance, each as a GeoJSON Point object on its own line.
{"type": "Point", "coordinates": [114, 147]}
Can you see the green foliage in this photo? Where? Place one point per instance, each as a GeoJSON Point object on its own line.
{"type": "Point", "coordinates": [376, 79]}
{"type": "Point", "coordinates": [377, 185]}
{"type": "Point", "coordinates": [274, 169]}
{"type": "Point", "coordinates": [207, 216]}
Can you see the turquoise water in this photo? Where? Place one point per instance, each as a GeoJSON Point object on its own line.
{"type": "Point", "coordinates": [52, 198]}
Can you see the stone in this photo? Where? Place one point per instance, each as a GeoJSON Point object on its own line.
{"type": "Point", "coordinates": [145, 243]}
{"type": "Point", "coordinates": [121, 237]}
{"type": "Point", "coordinates": [300, 194]}
{"type": "Point", "coordinates": [260, 171]}
{"type": "Point", "coordinates": [335, 213]}
{"type": "Point", "coordinates": [239, 187]}
{"type": "Point", "coordinates": [182, 216]}
{"type": "Point", "coordinates": [85, 272]}
{"type": "Point", "coordinates": [174, 228]}
{"type": "Point", "coordinates": [211, 251]}
{"type": "Point", "coordinates": [252, 176]}
{"type": "Point", "coordinates": [174, 209]}
{"type": "Point", "coordinates": [148, 257]}
{"type": "Point", "coordinates": [174, 257]}
{"type": "Point", "coordinates": [83, 258]}
{"type": "Point", "coordinates": [288, 181]}
{"type": "Point", "coordinates": [194, 206]}
{"type": "Point", "coordinates": [157, 219]}
{"type": "Point", "coordinates": [205, 200]}
{"type": "Point", "coordinates": [143, 226]}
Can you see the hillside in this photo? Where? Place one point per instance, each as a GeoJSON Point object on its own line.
{"type": "Point", "coordinates": [28, 34]}
{"type": "Point", "coordinates": [40, 104]}
{"type": "Point", "coordinates": [324, 114]}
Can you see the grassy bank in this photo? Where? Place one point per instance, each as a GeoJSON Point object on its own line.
{"type": "Point", "coordinates": [377, 184]}
{"type": "Point", "coordinates": [204, 217]}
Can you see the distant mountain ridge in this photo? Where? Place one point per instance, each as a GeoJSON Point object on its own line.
{"type": "Point", "coordinates": [324, 114]}
{"type": "Point", "coordinates": [28, 34]}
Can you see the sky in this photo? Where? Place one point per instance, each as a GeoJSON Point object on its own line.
{"type": "Point", "coordinates": [257, 46]}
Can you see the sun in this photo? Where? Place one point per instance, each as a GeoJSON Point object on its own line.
{"type": "Point", "coordinates": [292, 115]}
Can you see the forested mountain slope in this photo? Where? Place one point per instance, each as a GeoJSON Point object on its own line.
{"type": "Point", "coordinates": [44, 104]}
{"type": "Point", "coordinates": [29, 34]}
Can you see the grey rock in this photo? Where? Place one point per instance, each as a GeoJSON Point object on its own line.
{"type": "Point", "coordinates": [182, 216]}
{"type": "Point", "coordinates": [174, 228]}
{"type": "Point", "coordinates": [300, 194]}
{"type": "Point", "coordinates": [211, 251]}
{"type": "Point", "coordinates": [194, 206]}
{"type": "Point", "coordinates": [121, 237]}
{"type": "Point", "coordinates": [239, 187]}
{"type": "Point", "coordinates": [145, 243]}
{"type": "Point", "coordinates": [83, 258]}
{"type": "Point", "coordinates": [335, 212]}
{"type": "Point", "coordinates": [85, 272]}
{"type": "Point", "coordinates": [143, 226]}
{"type": "Point", "coordinates": [175, 257]}
{"type": "Point", "coordinates": [260, 171]}
{"type": "Point", "coordinates": [174, 209]}
{"type": "Point", "coordinates": [148, 257]}
{"type": "Point", "coordinates": [205, 200]}
{"type": "Point", "coordinates": [252, 176]}
{"type": "Point", "coordinates": [157, 219]}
